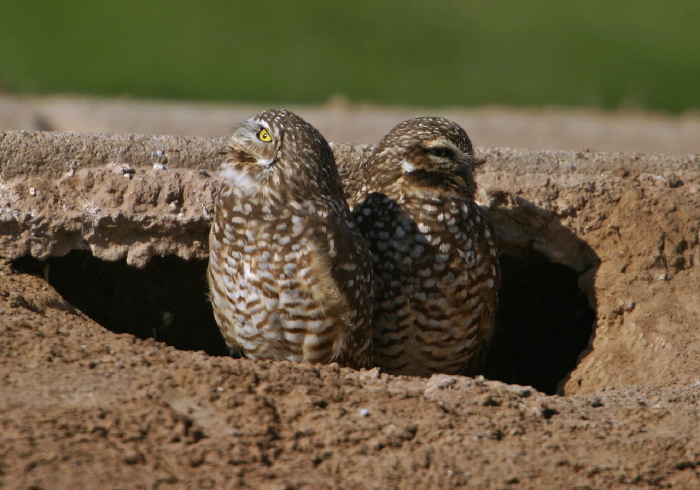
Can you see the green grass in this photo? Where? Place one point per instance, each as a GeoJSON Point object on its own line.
{"type": "Point", "coordinates": [624, 54]}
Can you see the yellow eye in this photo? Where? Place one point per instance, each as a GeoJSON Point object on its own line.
{"type": "Point", "coordinates": [263, 135]}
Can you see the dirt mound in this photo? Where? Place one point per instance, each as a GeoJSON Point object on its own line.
{"type": "Point", "coordinates": [113, 374]}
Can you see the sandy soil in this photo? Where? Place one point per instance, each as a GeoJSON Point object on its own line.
{"type": "Point", "coordinates": [600, 304]}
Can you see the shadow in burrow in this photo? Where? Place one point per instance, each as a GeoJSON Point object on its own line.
{"type": "Point", "coordinates": [547, 306]}
{"type": "Point", "coordinates": [543, 323]}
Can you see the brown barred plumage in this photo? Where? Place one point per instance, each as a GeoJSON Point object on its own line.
{"type": "Point", "coordinates": [435, 261]}
{"type": "Point", "coordinates": [290, 276]}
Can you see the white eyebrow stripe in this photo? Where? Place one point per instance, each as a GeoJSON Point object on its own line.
{"type": "Point", "coordinates": [442, 144]}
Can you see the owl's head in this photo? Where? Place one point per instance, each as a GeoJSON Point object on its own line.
{"type": "Point", "coordinates": [277, 151]}
{"type": "Point", "coordinates": [430, 154]}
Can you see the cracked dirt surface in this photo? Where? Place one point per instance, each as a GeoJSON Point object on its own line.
{"type": "Point", "coordinates": [81, 405]}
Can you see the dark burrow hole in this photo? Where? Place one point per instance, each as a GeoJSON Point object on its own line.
{"type": "Point", "coordinates": [543, 321]}
{"type": "Point", "coordinates": [166, 300]}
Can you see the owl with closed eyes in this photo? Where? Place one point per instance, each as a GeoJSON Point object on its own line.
{"type": "Point", "coordinates": [290, 275]}
{"type": "Point", "coordinates": [435, 260]}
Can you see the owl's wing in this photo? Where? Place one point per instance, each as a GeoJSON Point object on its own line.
{"type": "Point", "coordinates": [350, 264]}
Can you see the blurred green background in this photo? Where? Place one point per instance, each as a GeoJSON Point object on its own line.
{"type": "Point", "coordinates": [620, 54]}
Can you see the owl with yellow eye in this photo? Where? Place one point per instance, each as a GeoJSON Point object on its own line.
{"type": "Point", "coordinates": [290, 275]}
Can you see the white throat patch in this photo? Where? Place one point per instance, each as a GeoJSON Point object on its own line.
{"type": "Point", "coordinates": [242, 181]}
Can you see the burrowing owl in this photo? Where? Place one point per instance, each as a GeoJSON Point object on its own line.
{"type": "Point", "coordinates": [290, 276]}
{"type": "Point", "coordinates": [435, 261]}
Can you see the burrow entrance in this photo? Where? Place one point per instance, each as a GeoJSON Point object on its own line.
{"type": "Point", "coordinates": [543, 322]}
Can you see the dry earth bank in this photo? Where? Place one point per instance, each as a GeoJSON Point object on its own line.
{"type": "Point", "coordinates": [600, 303]}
